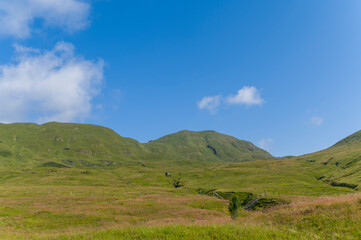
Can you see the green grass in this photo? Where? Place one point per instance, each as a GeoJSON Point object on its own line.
{"type": "Point", "coordinates": [179, 232]}
{"type": "Point", "coordinates": [339, 164]}
{"type": "Point", "coordinates": [167, 215]}
{"type": "Point", "coordinates": [78, 181]}
{"type": "Point", "coordinates": [193, 232]}
{"type": "Point", "coordinates": [89, 155]}
{"type": "Point", "coordinates": [281, 177]}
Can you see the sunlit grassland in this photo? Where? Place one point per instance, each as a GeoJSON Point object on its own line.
{"type": "Point", "coordinates": [175, 232]}
{"type": "Point", "coordinates": [175, 215]}
{"type": "Point", "coordinates": [75, 210]}
{"type": "Point", "coordinates": [71, 181]}
{"type": "Point", "coordinates": [276, 177]}
{"type": "Point", "coordinates": [135, 200]}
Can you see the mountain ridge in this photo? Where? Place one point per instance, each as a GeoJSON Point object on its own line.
{"type": "Point", "coordinates": [74, 144]}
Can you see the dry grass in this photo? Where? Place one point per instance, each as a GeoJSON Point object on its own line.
{"type": "Point", "coordinates": [52, 214]}
{"type": "Point", "coordinates": [324, 200]}
{"type": "Point", "coordinates": [324, 217]}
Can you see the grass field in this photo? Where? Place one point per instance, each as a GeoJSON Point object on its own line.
{"type": "Point", "coordinates": [153, 213]}
{"type": "Point", "coordinates": [136, 202]}
{"type": "Point", "coordinates": [86, 182]}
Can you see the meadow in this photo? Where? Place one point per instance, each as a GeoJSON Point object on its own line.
{"type": "Point", "coordinates": [139, 202]}
{"type": "Point", "coordinates": [74, 181]}
{"type": "Point", "coordinates": [156, 213]}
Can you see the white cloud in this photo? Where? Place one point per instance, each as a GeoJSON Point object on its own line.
{"type": "Point", "coordinates": [17, 16]}
{"type": "Point", "coordinates": [211, 103]}
{"type": "Point", "coordinates": [246, 96]}
{"type": "Point", "coordinates": [316, 121]}
{"type": "Point", "coordinates": [48, 85]}
{"type": "Point", "coordinates": [266, 144]}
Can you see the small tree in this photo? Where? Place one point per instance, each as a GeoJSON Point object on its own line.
{"type": "Point", "coordinates": [177, 183]}
{"type": "Point", "coordinates": [234, 206]}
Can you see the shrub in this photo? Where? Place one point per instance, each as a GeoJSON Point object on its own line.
{"type": "Point", "coordinates": [341, 184]}
{"type": "Point", "coordinates": [177, 183]}
{"type": "Point", "coordinates": [234, 206]}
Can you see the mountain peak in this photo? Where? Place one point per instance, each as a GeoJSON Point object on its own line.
{"type": "Point", "coordinates": [206, 146]}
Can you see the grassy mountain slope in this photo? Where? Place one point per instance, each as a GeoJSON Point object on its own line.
{"type": "Point", "coordinates": [340, 163]}
{"type": "Point", "coordinates": [69, 144]}
{"type": "Point", "coordinates": [87, 155]}
{"type": "Point", "coordinates": [64, 144]}
{"type": "Point", "coordinates": [205, 146]}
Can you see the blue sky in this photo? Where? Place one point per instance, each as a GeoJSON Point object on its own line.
{"type": "Point", "coordinates": [283, 74]}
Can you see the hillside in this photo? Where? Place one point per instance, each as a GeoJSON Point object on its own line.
{"type": "Point", "coordinates": [31, 153]}
{"type": "Point", "coordinates": [352, 140]}
{"type": "Point", "coordinates": [64, 145]}
{"type": "Point", "coordinates": [339, 164]}
{"type": "Point", "coordinates": [205, 146]}
{"type": "Point", "coordinates": [71, 145]}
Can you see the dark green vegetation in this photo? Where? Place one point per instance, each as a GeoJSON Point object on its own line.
{"type": "Point", "coordinates": [86, 180]}
{"type": "Point", "coordinates": [234, 205]}
{"type": "Point", "coordinates": [243, 198]}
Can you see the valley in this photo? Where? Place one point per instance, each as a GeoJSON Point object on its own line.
{"type": "Point", "coordinates": [79, 181]}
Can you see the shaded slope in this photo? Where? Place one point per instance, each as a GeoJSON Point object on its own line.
{"type": "Point", "coordinates": [205, 146]}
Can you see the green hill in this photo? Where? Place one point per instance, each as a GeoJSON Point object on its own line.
{"type": "Point", "coordinates": [340, 164]}
{"type": "Point", "coordinates": [64, 144]}
{"type": "Point", "coordinates": [205, 146]}
{"type": "Point", "coordinates": [31, 152]}
{"type": "Point", "coordinates": [71, 145]}
{"type": "Point", "coordinates": [204, 157]}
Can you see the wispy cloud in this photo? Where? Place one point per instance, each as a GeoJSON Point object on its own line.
{"type": "Point", "coordinates": [316, 120]}
{"type": "Point", "coordinates": [17, 16]}
{"type": "Point", "coordinates": [266, 144]}
{"type": "Point", "coordinates": [246, 96]}
{"type": "Point", "coordinates": [51, 85]}
{"type": "Point", "coordinates": [211, 103]}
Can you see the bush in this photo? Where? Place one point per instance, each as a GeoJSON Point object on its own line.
{"type": "Point", "coordinates": [234, 206]}
{"type": "Point", "coordinates": [177, 183]}
{"type": "Point", "coordinates": [340, 184]}
{"type": "Point", "coordinates": [243, 197]}
{"type": "Point", "coordinates": [264, 203]}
